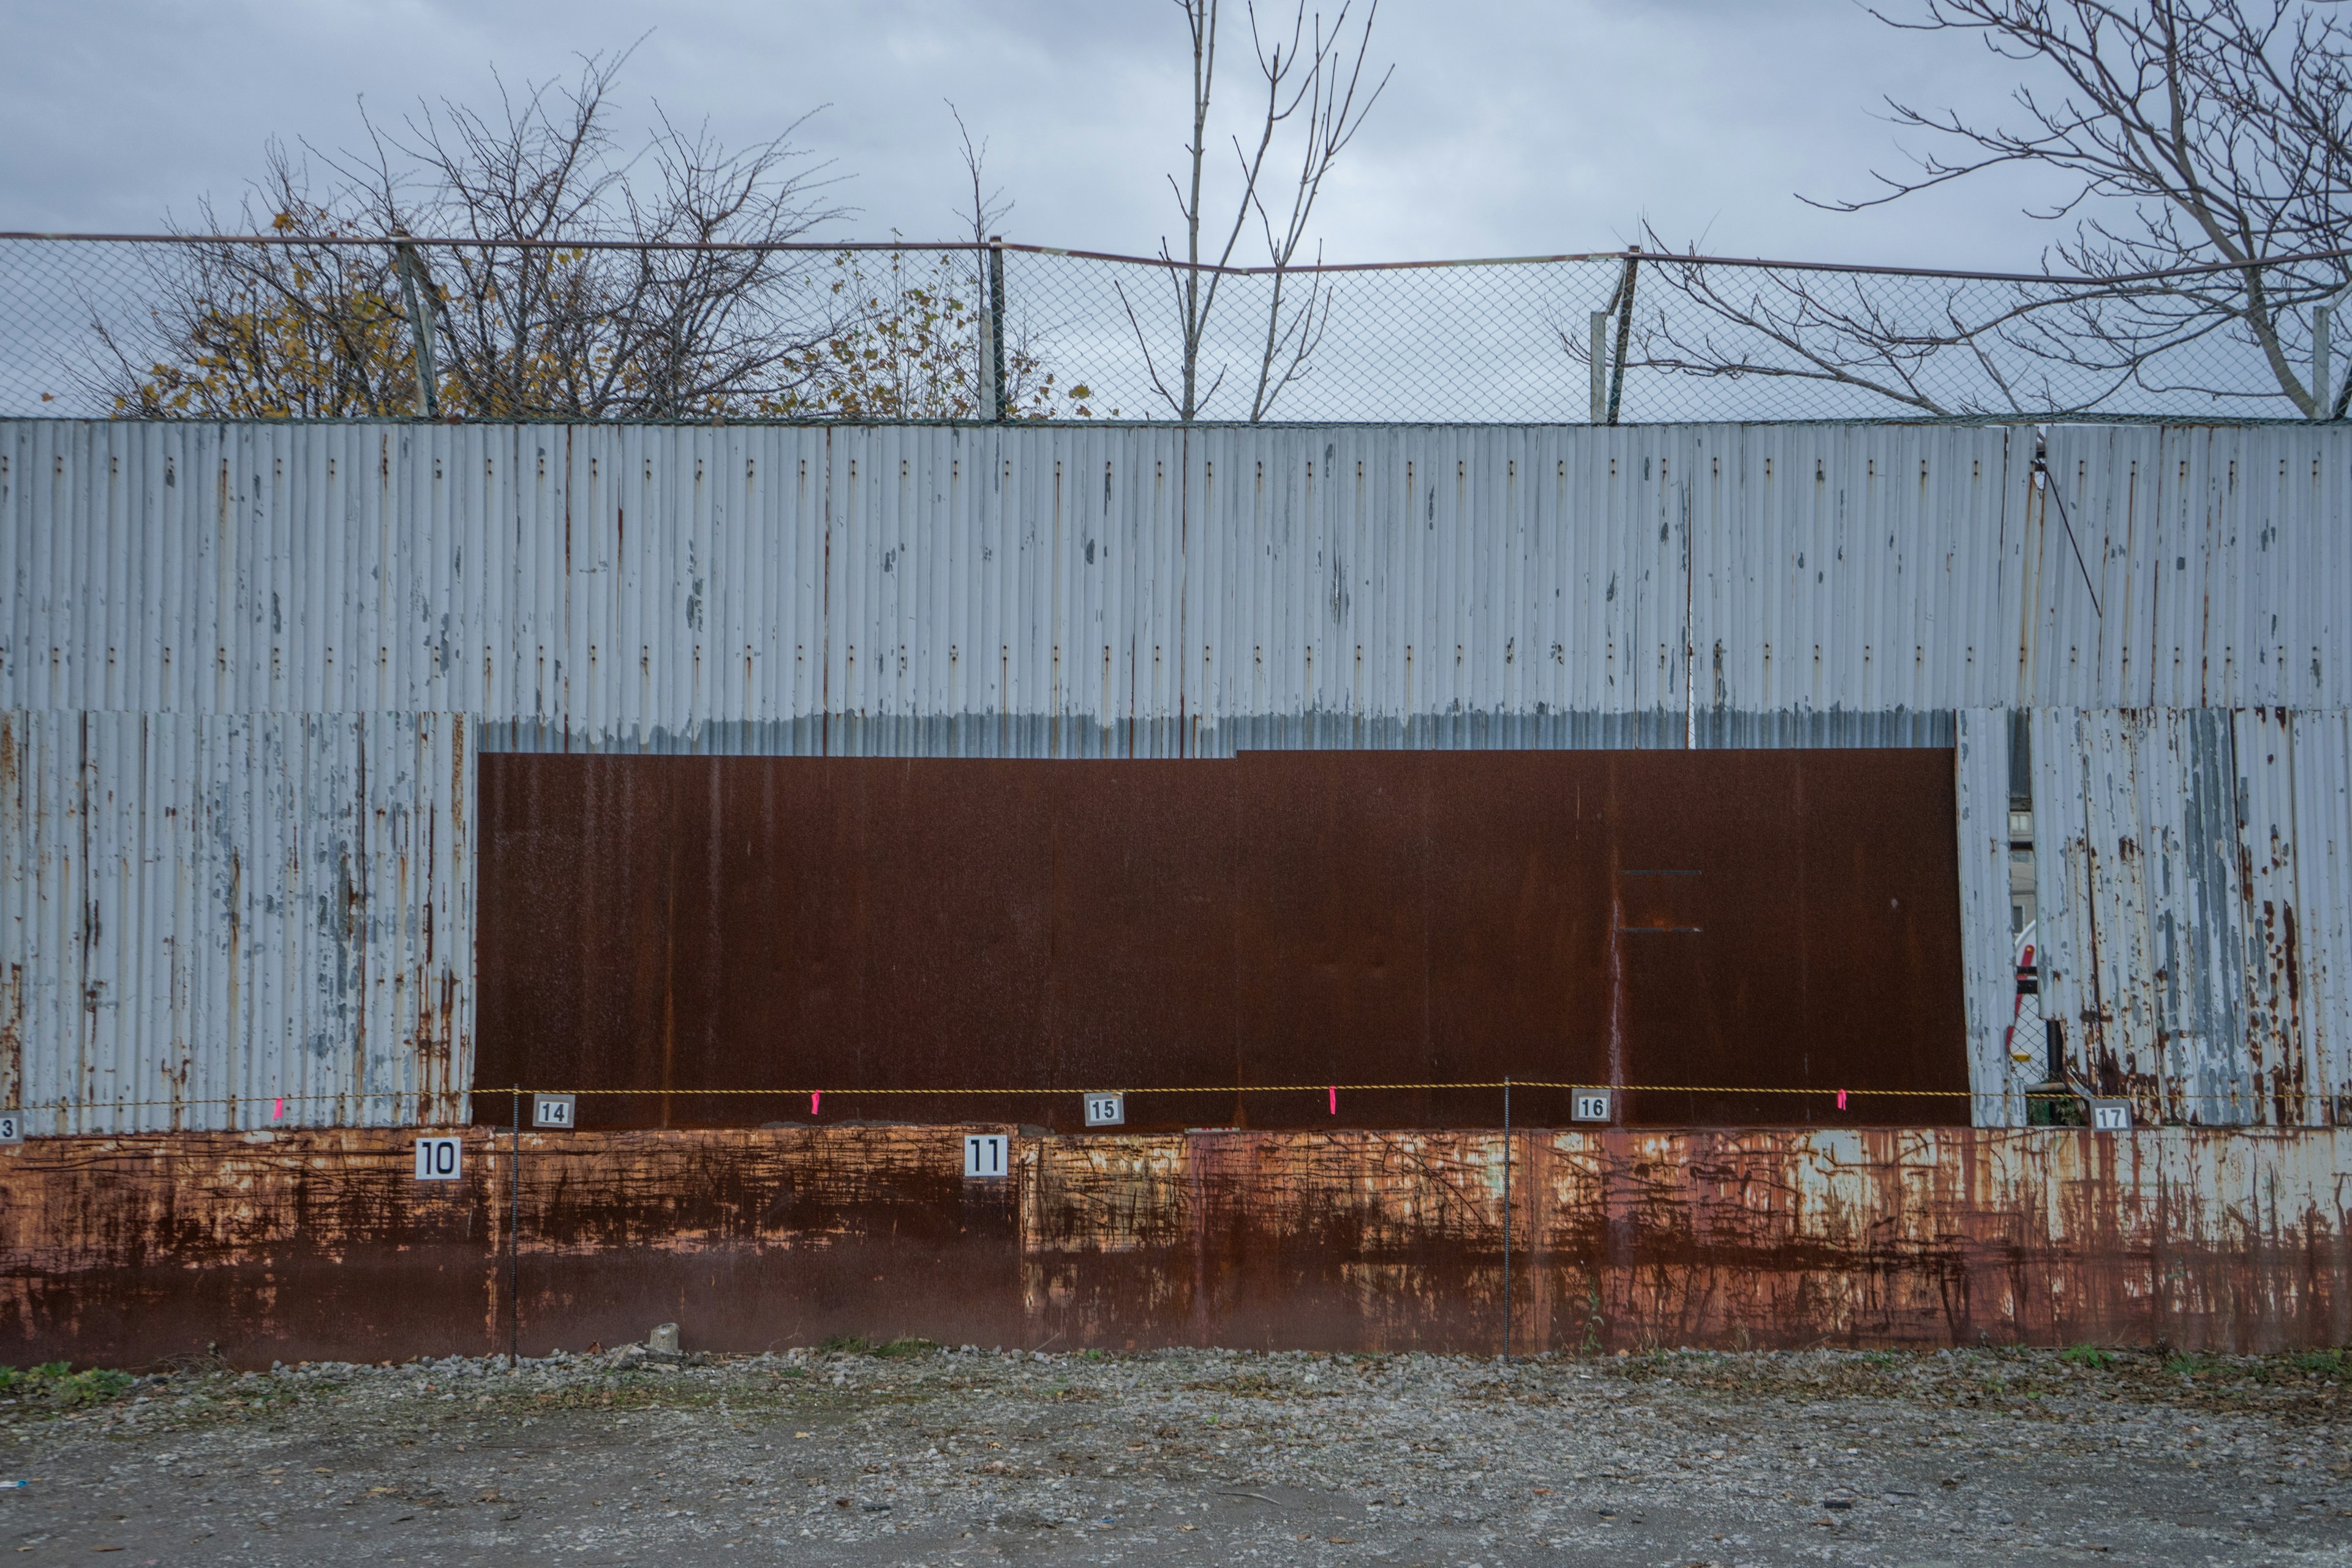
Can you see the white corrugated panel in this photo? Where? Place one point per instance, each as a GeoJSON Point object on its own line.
{"type": "Point", "coordinates": [1857, 569]}
{"type": "Point", "coordinates": [2264, 742]}
{"type": "Point", "coordinates": [2157, 833]}
{"type": "Point", "coordinates": [2222, 574]}
{"type": "Point", "coordinates": [2086, 640]}
{"type": "Point", "coordinates": [1436, 587]}
{"type": "Point", "coordinates": [203, 915]}
{"type": "Point", "coordinates": [2323, 868]}
{"type": "Point", "coordinates": [1988, 958]}
{"type": "Point", "coordinates": [1003, 593]}
{"type": "Point", "coordinates": [2295, 808]}
{"type": "Point", "coordinates": [930, 589]}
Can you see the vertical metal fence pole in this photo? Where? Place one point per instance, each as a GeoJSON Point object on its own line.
{"type": "Point", "coordinates": [1600, 359]}
{"type": "Point", "coordinates": [416, 293]}
{"type": "Point", "coordinates": [1624, 331]}
{"type": "Point", "coordinates": [1507, 1219]}
{"type": "Point", "coordinates": [2323, 321]}
{"type": "Point", "coordinates": [997, 399]}
{"type": "Point", "coordinates": [514, 1236]}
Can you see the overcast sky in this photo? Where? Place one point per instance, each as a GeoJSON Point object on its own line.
{"type": "Point", "coordinates": [1512, 126]}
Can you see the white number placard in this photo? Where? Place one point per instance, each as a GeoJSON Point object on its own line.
{"type": "Point", "coordinates": [2111, 1115]}
{"type": "Point", "coordinates": [551, 1110]}
{"type": "Point", "coordinates": [437, 1159]}
{"type": "Point", "coordinates": [1106, 1109]}
{"type": "Point", "coordinates": [984, 1156]}
{"type": "Point", "coordinates": [12, 1127]}
{"type": "Point", "coordinates": [1590, 1105]}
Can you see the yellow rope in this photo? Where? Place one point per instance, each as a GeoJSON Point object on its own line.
{"type": "Point", "coordinates": [421, 1095]}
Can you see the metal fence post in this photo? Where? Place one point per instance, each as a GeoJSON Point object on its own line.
{"type": "Point", "coordinates": [2322, 319]}
{"type": "Point", "coordinates": [1507, 1219]}
{"type": "Point", "coordinates": [417, 291]}
{"type": "Point", "coordinates": [1600, 359]}
{"type": "Point", "coordinates": [997, 400]}
{"type": "Point", "coordinates": [1624, 330]}
{"type": "Point", "coordinates": [514, 1234]}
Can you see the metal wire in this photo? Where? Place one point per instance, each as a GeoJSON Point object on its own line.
{"type": "Point", "coordinates": [295, 326]}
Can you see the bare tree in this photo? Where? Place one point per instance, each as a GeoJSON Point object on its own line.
{"type": "Point", "coordinates": [916, 334]}
{"type": "Point", "coordinates": [988, 209]}
{"type": "Point", "coordinates": [2207, 147]}
{"type": "Point", "coordinates": [597, 284]}
{"type": "Point", "coordinates": [309, 329]}
{"type": "Point", "coordinates": [1311, 80]}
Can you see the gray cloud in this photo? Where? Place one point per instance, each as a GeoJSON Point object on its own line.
{"type": "Point", "coordinates": [1512, 127]}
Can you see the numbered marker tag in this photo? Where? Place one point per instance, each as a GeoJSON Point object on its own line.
{"type": "Point", "coordinates": [437, 1159]}
{"type": "Point", "coordinates": [12, 1127]}
{"type": "Point", "coordinates": [551, 1110]}
{"type": "Point", "coordinates": [1106, 1109]}
{"type": "Point", "coordinates": [983, 1156]}
{"type": "Point", "coordinates": [1590, 1105]}
{"type": "Point", "coordinates": [2111, 1116]}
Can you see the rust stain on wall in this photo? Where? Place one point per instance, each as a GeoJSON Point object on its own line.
{"type": "Point", "coordinates": [321, 1243]}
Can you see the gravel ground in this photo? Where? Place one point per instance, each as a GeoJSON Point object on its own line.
{"type": "Point", "coordinates": [916, 1455]}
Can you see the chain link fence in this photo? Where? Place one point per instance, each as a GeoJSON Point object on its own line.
{"type": "Point", "coordinates": [299, 326]}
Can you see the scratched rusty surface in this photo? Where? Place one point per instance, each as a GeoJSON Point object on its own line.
{"type": "Point", "coordinates": [1782, 919]}
{"type": "Point", "coordinates": [235, 920]}
{"type": "Point", "coordinates": [2193, 877]}
{"type": "Point", "coordinates": [320, 1243]}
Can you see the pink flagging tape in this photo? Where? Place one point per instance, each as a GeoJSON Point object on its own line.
{"type": "Point", "coordinates": [1841, 1099]}
{"type": "Point", "coordinates": [815, 1095]}
{"type": "Point", "coordinates": [1334, 1099]}
{"type": "Point", "coordinates": [278, 1111]}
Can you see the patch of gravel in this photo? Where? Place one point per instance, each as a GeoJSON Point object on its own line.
{"type": "Point", "coordinates": [965, 1455]}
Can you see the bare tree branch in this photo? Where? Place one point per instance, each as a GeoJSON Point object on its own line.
{"type": "Point", "coordinates": [2190, 131]}
{"type": "Point", "coordinates": [1312, 69]}
{"type": "Point", "coordinates": [527, 331]}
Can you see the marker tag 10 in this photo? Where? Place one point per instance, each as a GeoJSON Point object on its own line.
{"type": "Point", "coordinates": [437, 1159]}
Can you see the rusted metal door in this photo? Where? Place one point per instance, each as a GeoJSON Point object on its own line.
{"type": "Point", "coordinates": [1706, 930]}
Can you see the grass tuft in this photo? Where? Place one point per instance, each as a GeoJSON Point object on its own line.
{"type": "Point", "coordinates": [56, 1386]}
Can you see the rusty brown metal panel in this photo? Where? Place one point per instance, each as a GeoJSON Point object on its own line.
{"type": "Point", "coordinates": [320, 1243]}
{"type": "Point", "coordinates": [1723, 919]}
{"type": "Point", "coordinates": [855, 924]}
{"type": "Point", "coordinates": [1332, 975]}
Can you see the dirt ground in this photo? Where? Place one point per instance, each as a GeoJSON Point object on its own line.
{"type": "Point", "coordinates": [907, 1454]}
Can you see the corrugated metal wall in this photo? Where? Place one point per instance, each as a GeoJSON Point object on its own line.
{"type": "Point", "coordinates": [1148, 591]}
{"type": "Point", "coordinates": [2193, 884]}
{"type": "Point", "coordinates": [235, 920]}
{"type": "Point", "coordinates": [1036, 591]}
